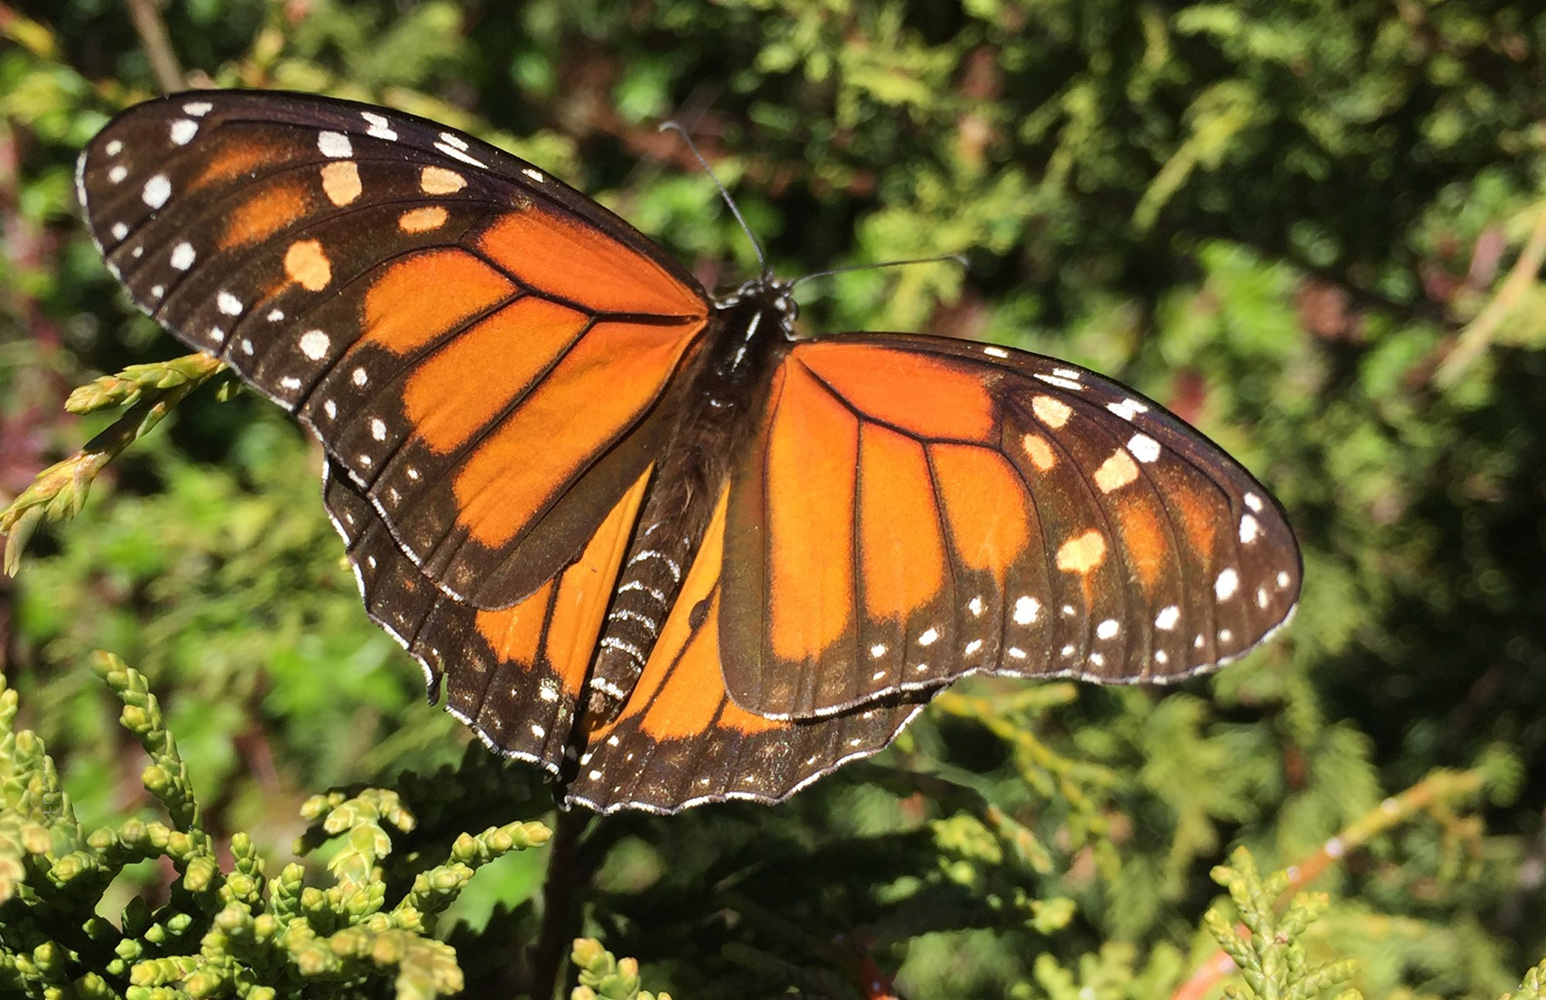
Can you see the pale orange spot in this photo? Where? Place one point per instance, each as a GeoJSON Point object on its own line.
{"type": "Point", "coordinates": [813, 448]}
{"type": "Point", "coordinates": [541, 250]}
{"type": "Point", "coordinates": [400, 317]}
{"type": "Point", "coordinates": [507, 350]}
{"type": "Point", "coordinates": [901, 551]}
{"type": "Point", "coordinates": [439, 180]}
{"type": "Point", "coordinates": [984, 506]}
{"type": "Point", "coordinates": [1197, 520]}
{"type": "Point", "coordinates": [1083, 553]}
{"type": "Point", "coordinates": [419, 220]}
{"type": "Point", "coordinates": [235, 158]}
{"type": "Point", "coordinates": [265, 214]}
{"type": "Point", "coordinates": [921, 395]}
{"type": "Point", "coordinates": [601, 387]}
{"type": "Point", "coordinates": [1116, 471]}
{"type": "Point", "coordinates": [307, 265]}
{"type": "Point", "coordinates": [1040, 452]}
{"type": "Point", "coordinates": [341, 182]}
{"type": "Point", "coordinates": [1052, 412]}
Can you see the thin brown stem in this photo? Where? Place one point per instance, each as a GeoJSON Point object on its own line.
{"type": "Point", "coordinates": [566, 873]}
{"type": "Point", "coordinates": [157, 45]}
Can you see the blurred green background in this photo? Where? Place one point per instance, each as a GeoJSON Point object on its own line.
{"type": "Point", "coordinates": [1312, 228]}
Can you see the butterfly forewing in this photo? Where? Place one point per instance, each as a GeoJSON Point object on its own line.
{"type": "Point", "coordinates": [918, 509]}
{"type": "Point", "coordinates": [356, 264]}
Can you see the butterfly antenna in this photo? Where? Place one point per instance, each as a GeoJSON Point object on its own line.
{"type": "Point", "coordinates": [888, 263]}
{"type": "Point", "coordinates": [762, 258]}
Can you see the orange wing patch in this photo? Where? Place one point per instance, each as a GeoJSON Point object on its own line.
{"type": "Point", "coordinates": [956, 405]}
{"type": "Point", "coordinates": [901, 550]}
{"type": "Point", "coordinates": [985, 506]}
{"type": "Point", "coordinates": [266, 213]}
{"type": "Point", "coordinates": [400, 317]}
{"type": "Point", "coordinates": [579, 263]}
{"type": "Point", "coordinates": [608, 379]}
{"type": "Point", "coordinates": [509, 350]}
{"type": "Point", "coordinates": [813, 450]}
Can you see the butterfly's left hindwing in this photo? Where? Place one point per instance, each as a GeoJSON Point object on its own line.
{"type": "Point", "coordinates": [479, 347]}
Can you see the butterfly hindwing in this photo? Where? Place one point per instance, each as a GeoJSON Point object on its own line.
{"type": "Point", "coordinates": [916, 509]}
{"type": "Point", "coordinates": [680, 739]}
{"type": "Point", "coordinates": [479, 347]}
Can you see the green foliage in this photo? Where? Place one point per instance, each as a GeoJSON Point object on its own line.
{"type": "Point", "coordinates": [1312, 228]}
{"type": "Point", "coordinates": [1271, 956]}
{"type": "Point", "coordinates": [220, 932]}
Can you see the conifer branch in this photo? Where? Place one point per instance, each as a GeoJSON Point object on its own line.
{"type": "Point", "coordinates": [59, 492]}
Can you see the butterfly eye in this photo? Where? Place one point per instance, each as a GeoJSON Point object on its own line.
{"type": "Point", "coordinates": [635, 534]}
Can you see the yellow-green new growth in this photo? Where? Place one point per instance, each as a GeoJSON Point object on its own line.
{"type": "Point", "coordinates": [1271, 957]}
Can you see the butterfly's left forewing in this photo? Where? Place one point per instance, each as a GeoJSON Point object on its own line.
{"type": "Point", "coordinates": [480, 348]}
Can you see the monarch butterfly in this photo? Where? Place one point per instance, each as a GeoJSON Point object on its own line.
{"type": "Point", "coordinates": [642, 535]}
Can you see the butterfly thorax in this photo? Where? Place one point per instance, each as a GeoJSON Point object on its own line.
{"type": "Point", "coordinates": [748, 332]}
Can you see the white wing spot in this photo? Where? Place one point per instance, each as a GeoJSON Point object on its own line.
{"type": "Point", "coordinates": [156, 291]}
{"type": "Point", "coordinates": [1017, 652]}
{"type": "Point", "coordinates": [1127, 409]}
{"type": "Point", "coordinates": [216, 334]}
{"type": "Point", "coordinates": [413, 473]}
{"type": "Point", "coordinates": [228, 304]}
{"type": "Point", "coordinates": [1167, 618]}
{"type": "Point", "coordinates": [1225, 636]}
{"type": "Point", "coordinates": [1254, 502]}
{"type": "Point", "coordinates": [275, 315]}
{"type": "Point", "coordinates": [370, 561]}
{"type": "Point", "coordinates": [247, 347]}
{"type": "Point", "coordinates": [1161, 657]}
{"type": "Point", "coordinates": [118, 173]}
{"type": "Point", "coordinates": [314, 344]}
{"type": "Point", "coordinates": [198, 109]}
{"type": "Point", "coordinates": [455, 153]}
{"type": "Point", "coordinates": [878, 650]}
{"type": "Point", "coordinates": [1144, 448]}
{"type": "Point", "coordinates": [1026, 610]}
{"type": "Point", "coordinates": [928, 638]}
{"type": "Point", "coordinates": [1250, 529]}
{"type": "Point", "coordinates": [1068, 609]}
{"type": "Point", "coordinates": [1262, 598]}
{"type": "Point", "coordinates": [137, 253]}
{"type": "Point", "coordinates": [538, 731]}
{"type": "Point", "coordinates": [995, 352]}
{"type": "Point", "coordinates": [330, 408]}
{"type": "Point", "coordinates": [1066, 650]}
{"type": "Point", "coordinates": [334, 144]}
{"type": "Point", "coordinates": [113, 148]}
{"type": "Point", "coordinates": [1198, 642]}
{"type": "Point", "coordinates": [359, 376]}
{"type": "Point", "coordinates": [454, 140]}
{"type": "Point", "coordinates": [877, 675]}
{"type": "Point", "coordinates": [378, 126]}
{"type": "Point", "coordinates": [119, 230]}
{"type": "Point", "coordinates": [364, 460]}
{"type": "Point", "coordinates": [975, 606]}
{"type": "Point", "coordinates": [378, 428]}
{"type": "Point", "coordinates": [1227, 583]}
{"type": "Point", "coordinates": [535, 175]}
{"type": "Point", "coordinates": [1060, 381]}
{"type": "Point", "coordinates": [1283, 579]}
{"type": "Point", "coordinates": [157, 190]}
{"type": "Point", "coordinates": [1108, 629]}
{"type": "Point", "coordinates": [183, 131]}
{"type": "Point", "coordinates": [973, 646]}
{"type": "Point", "coordinates": [1097, 660]}
{"type": "Point", "coordinates": [183, 256]}
{"type": "Point", "coordinates": [290, 382]}
{"type": "Point", "coordinates": [1067, 373]}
